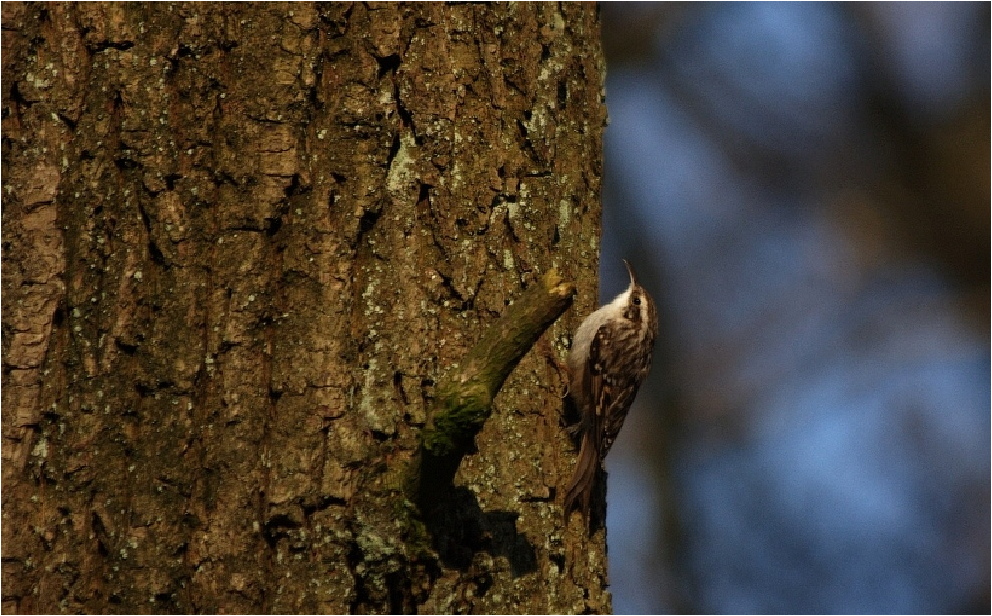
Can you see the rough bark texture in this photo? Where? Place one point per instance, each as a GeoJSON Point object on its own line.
{"type": "Point", "coordinates": [241, 244]}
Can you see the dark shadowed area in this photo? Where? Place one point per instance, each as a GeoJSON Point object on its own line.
{"type": "Point", "coordinates": [805, 190]}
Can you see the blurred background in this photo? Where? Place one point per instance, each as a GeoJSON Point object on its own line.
{"type": "Point", "coordinates": [805, 190]}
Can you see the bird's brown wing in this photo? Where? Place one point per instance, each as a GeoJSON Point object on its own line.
{"type": "Point", "coordinates": [595, 403]}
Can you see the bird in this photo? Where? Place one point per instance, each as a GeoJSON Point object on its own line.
{"type": "Point", "coordinates": [609, 360]}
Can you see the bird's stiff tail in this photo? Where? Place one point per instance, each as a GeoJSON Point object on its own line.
{"type": "Point", "coordinates": [578, 495]}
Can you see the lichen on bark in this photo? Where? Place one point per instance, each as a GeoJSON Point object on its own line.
{"type": "Point", "coordinates": [242, 244]}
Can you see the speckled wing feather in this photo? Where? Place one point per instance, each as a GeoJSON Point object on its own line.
{"type": "Point", "coordinates": [598, 386]}
{"type": "Point", "coordinates": [618, 379]}
{"type": "Point", "coordinates": [594, 398]}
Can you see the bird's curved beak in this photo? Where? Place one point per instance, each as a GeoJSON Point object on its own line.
{"type": "Point", "coordinates": [631, 272]}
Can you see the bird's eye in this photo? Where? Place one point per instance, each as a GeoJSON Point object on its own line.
{"type": "Point", "coordinates": [637, 301]}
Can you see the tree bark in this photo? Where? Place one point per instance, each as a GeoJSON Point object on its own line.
{"type": "Point", "coordinates": [242, 242]}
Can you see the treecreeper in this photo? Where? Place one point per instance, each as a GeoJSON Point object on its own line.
{"type": "Point", "coordinates": [610, 357]}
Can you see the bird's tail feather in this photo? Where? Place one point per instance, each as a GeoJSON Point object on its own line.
{"type": "Point", "coordinates": [578, 495]}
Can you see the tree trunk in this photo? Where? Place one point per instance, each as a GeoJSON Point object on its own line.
{"type": "Point", "coordinates": [242, 242]}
